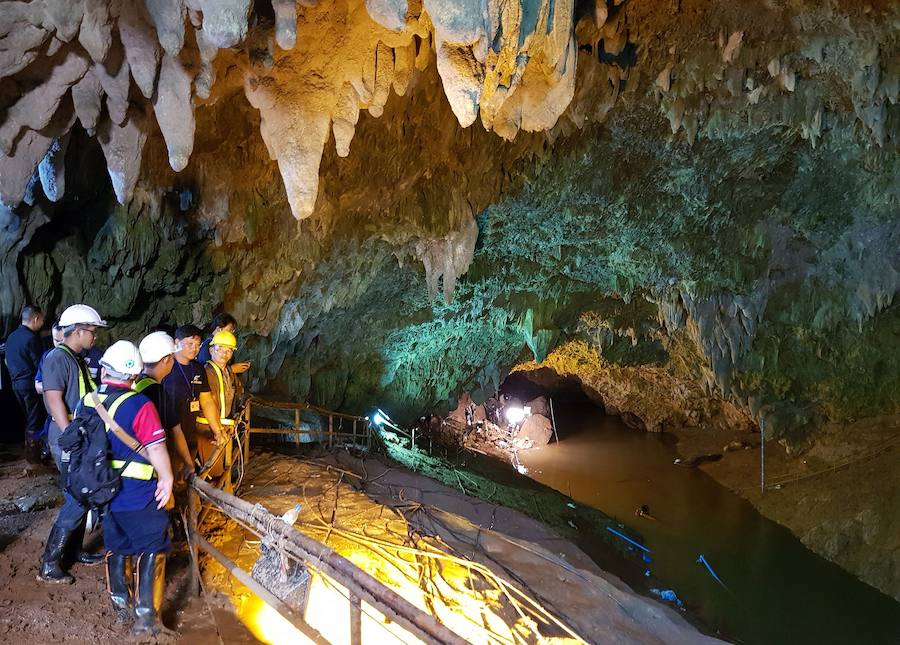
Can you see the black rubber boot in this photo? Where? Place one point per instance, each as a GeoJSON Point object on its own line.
{"type": "Point", "coordinates": [151, 582]}
{"type": "Point", "coordinates": [51, 569]}
{"type": "Point", "coordinates": [120, 580]}
{"type": "Point", "coordinates": [89, 558]}
{"type": "Point", "coordinates": [76, 549]}
{"type": "Point", "coordinates": [33, 452]}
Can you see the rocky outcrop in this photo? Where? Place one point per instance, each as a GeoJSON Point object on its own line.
{"type": "Point", "coordinates": [708, 204]}
{"type": "Point", "coordinates": [516, 62]}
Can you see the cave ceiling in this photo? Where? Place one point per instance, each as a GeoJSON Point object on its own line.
{"type": "Point", "coordinates": [690, 205]}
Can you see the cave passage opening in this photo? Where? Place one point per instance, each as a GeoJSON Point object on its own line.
{"type": "Point", "coordinates": [772, 590]}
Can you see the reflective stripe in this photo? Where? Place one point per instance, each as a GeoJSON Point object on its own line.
{"type": "Point", "coordinates": [221, 379]}
{"type": "Point", "coordinates": [134, 470]}
{"type": "Point", "coordinates": [115, 404]}
{"type": "Point", "coordinates": [224, 422]}
{"type": "Point", "coordinates": [143, 383]}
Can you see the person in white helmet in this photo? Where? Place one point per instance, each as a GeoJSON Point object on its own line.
{"type": "Point", "coordinates": [65, 381]}
{"type": "Point", "coordinates": [136, 525]}
{"type": "Point", "coordinates": [158, 354]}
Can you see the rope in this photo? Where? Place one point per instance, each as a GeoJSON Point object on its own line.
{"type": "Point", "coordinates": [794, 478]}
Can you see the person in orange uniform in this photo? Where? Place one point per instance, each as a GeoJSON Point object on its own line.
{"type": "Point", "coordinates": [225, 390]}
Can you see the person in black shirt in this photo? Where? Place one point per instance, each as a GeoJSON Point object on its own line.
{"type": "Point", "coordinates": [187, 385]}
{"type": "Point", "coordinates": [157, 350]}
{"type": "Point", "coordinates": [24, 349]}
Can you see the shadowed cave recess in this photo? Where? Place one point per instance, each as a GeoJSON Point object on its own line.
{"type": "Point", "coordinates": [689, 208]}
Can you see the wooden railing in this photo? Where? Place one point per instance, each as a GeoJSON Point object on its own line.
{"type": "Point", "coordinates": [339, 427]}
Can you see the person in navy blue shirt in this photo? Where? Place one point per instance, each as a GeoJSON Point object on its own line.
{"type": "Point", "coordinates": [24, 348]}
{"type": "Point", "coordinates": [188, 386]}
{"type": "Point", "coordinates": [136, 526]}
{"type": "Point", "coordinates": [222, 322]}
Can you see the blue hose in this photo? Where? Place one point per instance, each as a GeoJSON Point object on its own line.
{"type": "Point", "coordinates": [702, 560]}
{"type": "Point", "coordinates": [628, 539]}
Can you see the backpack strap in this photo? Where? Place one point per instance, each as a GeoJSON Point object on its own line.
{"type": "Point", "coordinates": [110, 422]}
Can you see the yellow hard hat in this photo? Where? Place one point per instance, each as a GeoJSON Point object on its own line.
{"type": "Point", "coordinates": [224, 339]}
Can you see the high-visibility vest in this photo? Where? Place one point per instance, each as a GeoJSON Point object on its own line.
{"type": "Point", "coordinates": [143, 383]}
{"type": "Point", "coordinates": [85, 382]}
{"type": "Point", "coordinates": [135, 469]}
{"type": "Point", "coordinates": [220, 377]}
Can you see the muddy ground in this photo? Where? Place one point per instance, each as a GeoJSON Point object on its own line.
{"type": "Point", "coordinates": [35, 612]}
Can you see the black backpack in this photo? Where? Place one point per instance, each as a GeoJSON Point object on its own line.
{"type": "Point", "coordinates": [90, 479]}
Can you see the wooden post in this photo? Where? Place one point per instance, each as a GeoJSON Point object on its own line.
{"type": "Point", "coordinates": [354, 431]}
{"type": "Point", "coordinates": [355, 620]}
{"type": "Point", "coordinates": [193, 508]}
{"type": "Point", "coordinates": [330, 430]}
{"type": "Point", "coordinates": [297, 427]}
{"type": "Point", "coordinates": [246, 446]}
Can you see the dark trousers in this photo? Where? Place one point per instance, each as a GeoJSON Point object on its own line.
{"type": "Point", "coordinates": [135, 532]}
{"type": "Point", "coordinates": [71, 514]}
{"type": "Point", "coordinates": [33, 407]}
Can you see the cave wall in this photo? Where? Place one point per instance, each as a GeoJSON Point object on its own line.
{"type": "Point", "coordinates": [694, 206]}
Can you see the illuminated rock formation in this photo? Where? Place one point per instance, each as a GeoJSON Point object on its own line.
{"type": "Point", "coordinates": [692, 207]}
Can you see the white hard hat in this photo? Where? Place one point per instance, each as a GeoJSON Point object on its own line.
{"type": "Point", "coordinates": [81, 315]}
{"type": "Point", "coordinates": [156, 346]}
{"type": "Point", "coordinates": [123, 357]}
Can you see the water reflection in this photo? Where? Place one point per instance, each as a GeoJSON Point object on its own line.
{"type": "Point", "coordinates": [777, 590]}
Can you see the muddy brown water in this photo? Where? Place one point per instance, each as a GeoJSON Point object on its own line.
{"type": "Point", "coordinates": [773, 589]}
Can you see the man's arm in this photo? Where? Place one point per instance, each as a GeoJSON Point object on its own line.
{"type": "Point", "coordinates": [159, 457]}
{"type": "Point", "coordinates": [210, 408]}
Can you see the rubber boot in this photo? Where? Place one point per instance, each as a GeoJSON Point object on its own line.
{"type": "Point", "coordinates": [77, 552]}
{"type": "Point", "coordinates": [33, 452]}
{"type": "Point", "coordinates": [51, 569]}
{"type": "Point", "coordinates": [151, 582]}
{"type": "Point", "coordinates": [119, 581]}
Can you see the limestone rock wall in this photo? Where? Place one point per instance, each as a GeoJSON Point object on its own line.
{"type": "Point", "coordinates": [704, 196]}
{"type": "Point", "coordinates": [115, 66]}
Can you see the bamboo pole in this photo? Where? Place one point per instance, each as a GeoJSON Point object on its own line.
{"type": "Point", "coordinates": [265, 595]}
{"type": "Point", "coordinates": [324, 559]}
{"type": "Point", "coordinates": [246, 446]}
{"type": "Point", "coordinates": [355, 620]}
{"type": "Point", "coordinates": [227, 484]}
{"type": "Point", "coordinates": [193, 508]}
{"type": "Point", "coordinates": [297, 427]}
